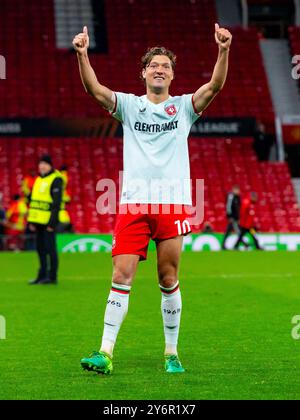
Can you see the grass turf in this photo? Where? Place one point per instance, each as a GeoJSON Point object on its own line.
{"type": "Point", "coordinates": [235, 340]}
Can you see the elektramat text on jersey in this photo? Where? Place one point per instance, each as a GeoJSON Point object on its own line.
{"type": "Point", "coordinates": [155, 128]}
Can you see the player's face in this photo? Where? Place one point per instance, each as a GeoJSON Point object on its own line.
{"type": "Point", "coordinates": [159, 73]}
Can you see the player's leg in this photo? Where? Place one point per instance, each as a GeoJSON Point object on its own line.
{"type": "Point", "coordinates": [130, 245]}
{"type": "Point", "coordinates": [124, 269]}
{"type": "Point", "coordinates": [168, 258]}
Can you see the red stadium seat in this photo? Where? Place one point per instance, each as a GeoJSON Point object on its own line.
{"type": "Point", "coordinates": [219, 162]}
{"type": "Point", "coordinates": [49, 85]}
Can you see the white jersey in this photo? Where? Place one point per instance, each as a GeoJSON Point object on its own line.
{"type": "Point", "coordinates": [155, 151]}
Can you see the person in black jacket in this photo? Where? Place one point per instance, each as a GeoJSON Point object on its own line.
{"type": "Point", "coordinates": [43, 217]}
{"type": "Point", "coordinates": [233, 206]}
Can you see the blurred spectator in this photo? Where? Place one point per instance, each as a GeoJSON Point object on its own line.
{"type": "Point", "coordinates": [262, 142]}
{"type": "Point", "coordinates": [247, 218]}
{"type": "Point", "coordinates": [207, 228]}
{"type": "Point", "coordinates": [233, 206]}
{"type": "Point", "coordinates": [27, 184]}
{"type": "Point", "coordinates": [2, 223]}
{"type": "Point", "coordinates": [65, 224]}
{"type": "Point", "coordinates": [16, 222]}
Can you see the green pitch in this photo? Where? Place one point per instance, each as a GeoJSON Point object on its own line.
{"type": "Point", "coordinates": [235, 338]}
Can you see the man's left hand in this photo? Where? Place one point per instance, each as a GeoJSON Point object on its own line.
{"type": "Point", "coordinates": [50, 229]}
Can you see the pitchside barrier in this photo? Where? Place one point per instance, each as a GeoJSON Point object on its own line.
{"type": "Point", "coordinates": [201, 242]}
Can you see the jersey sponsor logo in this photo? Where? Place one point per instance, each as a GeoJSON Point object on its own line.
{"type": "Point", "coordinates": [171, 110]}
{"type": "Point", "coordinates": [155, 128]}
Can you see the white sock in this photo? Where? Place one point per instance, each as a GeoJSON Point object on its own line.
{"type": "Point", "coordinates": [115, 313]}
{"type": "Point", "coordinates": [171, 307]}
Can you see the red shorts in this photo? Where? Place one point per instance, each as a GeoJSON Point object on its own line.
{"type": "Point", "coordinates": [133, 231]}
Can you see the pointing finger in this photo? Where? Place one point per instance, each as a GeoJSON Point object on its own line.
{"type": "Point", "coordinates": [217, 27]}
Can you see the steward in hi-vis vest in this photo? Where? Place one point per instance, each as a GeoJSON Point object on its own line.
{"type": "Point", "coordinates": [45, 209]}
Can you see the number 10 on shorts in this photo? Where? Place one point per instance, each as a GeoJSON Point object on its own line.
{"type": "Point", "coordinates": [183, 227]}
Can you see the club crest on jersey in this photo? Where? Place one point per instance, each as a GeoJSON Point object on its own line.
{"type": "Point", "coordinates": [171, 110]}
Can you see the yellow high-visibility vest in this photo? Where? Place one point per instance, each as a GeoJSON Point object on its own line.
{"type": "Point", "coordinates": [41, 200]}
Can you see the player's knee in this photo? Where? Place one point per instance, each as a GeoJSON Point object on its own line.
{"type": "Point", "coordinates": [167, 280]}
{"type": "Point", "coordinates": [122, 277]}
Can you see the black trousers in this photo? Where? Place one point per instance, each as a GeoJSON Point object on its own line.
{"type": "Point", "coordinates": [47, 252]}
{"type": "Point", "coordinates": [243, 232]}
{"type": "Point", "coordinates": [232, 226]}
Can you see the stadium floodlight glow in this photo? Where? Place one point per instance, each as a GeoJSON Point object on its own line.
{"type": "Point", "coordinates": [296, 69]}
{"type": "Point", "coordinates": [2, 328]}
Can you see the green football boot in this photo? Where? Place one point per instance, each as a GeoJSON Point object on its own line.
{"type": "Point", "coordinates": [99, 362]}
{"type": "Point", "coordinates": [173, 364]}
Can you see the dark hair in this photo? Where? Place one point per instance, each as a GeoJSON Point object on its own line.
{"type": "Point", "coordinates": [46, 159]}
{"type": "Point", "coordinates": [147, 58]}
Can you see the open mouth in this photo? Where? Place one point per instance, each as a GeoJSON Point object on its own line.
{"type": "Point", "coordinates": [159, 78]}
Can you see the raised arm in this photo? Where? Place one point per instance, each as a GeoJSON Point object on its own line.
{"type": "Point", "coordinates": [206, 93]}
{"type": "Point", "coordinates": [102, 94]}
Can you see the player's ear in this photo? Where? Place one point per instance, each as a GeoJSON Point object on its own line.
{"type": "Point", "coordinates": [144, 74]}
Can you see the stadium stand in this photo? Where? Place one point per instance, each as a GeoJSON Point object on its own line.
{"type": "Point", "coordinates": [48, 85]}
{"type": "Point", "coordinates": [221, 162]}
{"type": "Point", "coordinates": [294, 37]}
{"type": "Point", "coordinates": [43, 81]}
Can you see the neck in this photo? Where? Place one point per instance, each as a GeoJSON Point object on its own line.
{"type": "Point", "coordinates": [157, 97]}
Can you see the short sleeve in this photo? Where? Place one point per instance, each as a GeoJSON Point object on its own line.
{"type": "Point", "coordinates": [121, 101]}
{"type": "Point", "coordinates": [190, 110]}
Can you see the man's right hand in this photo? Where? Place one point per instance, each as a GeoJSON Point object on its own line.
{"type": "Point", "coordinates": [81, 41]}
{"type": "Point", "coordinates": [31, 227]}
